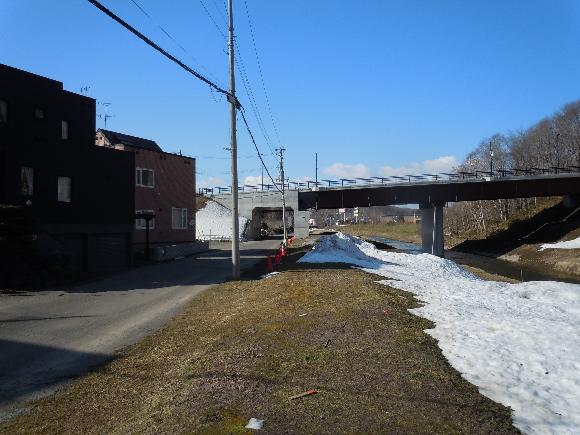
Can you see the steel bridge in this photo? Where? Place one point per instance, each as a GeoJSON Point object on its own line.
{"type": "Point", "coordinates": [432, 192]}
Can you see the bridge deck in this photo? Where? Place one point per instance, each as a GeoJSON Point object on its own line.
{"type": "Point", "coordinates": [440, 192]}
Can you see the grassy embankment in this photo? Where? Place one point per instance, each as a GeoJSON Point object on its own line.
{"type": "Point", "coordinates": [398, 231]}
{"type": "Point", "coordinates": [241, 349]}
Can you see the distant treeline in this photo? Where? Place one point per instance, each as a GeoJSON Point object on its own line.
{"type": "Point", "coordinates": [552, 142]}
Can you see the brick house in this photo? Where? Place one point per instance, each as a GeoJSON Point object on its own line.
{"type": "Point", "coordinates": [164, 186]}
{"type": "Point", "coordinates": [81, 196]}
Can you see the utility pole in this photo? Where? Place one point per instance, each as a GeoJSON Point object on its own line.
{"type": "Point", "coordinates": [490, 160]}
{"type": "Point", "coordinates": [281, 154]}
{"type": "Point", "coordinates": [316, 173]}
{"type": "Point", "coordinates": [262, 166]}
{"type": "Point", "coordinates": [234, 146]}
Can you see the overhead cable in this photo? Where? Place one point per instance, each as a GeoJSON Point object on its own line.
{"type": "Point", "coordinates": [175, 41]}
{"type": "Point", "coordinates": [158, 48]}
{"type": "Point", "coordinates": [257, 150]}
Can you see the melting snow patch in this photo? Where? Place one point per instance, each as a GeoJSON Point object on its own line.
{"type": "Point", "coordinates": [269, 275]}
{"type": "Point", "coordinates": [255, 424]}
{"type": "Point", "coordinates": [570, 244]}
{"type": "Point", "coordinates": [214, 222]}
{"type": "Point", "coordinates": [519, 343]}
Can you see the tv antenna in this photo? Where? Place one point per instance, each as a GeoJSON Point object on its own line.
{"type": "Point", "coordinates": [105, 116]}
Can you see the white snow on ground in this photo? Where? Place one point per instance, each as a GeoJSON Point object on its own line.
{"type": "Point", "coordinates": [214, 222]}
{"type": "Point", "coordinates": [570, 244]}
{"type": "Point", "coordinates": [519, 343]}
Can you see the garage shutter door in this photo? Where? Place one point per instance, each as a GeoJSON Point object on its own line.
{"type": "Point", "coordinates": [109, 252]}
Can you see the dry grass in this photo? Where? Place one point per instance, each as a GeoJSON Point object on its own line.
{"type": "Point", "coordinates": [404, 232]}
{"type": "Point", "coordinates": [241, 349]}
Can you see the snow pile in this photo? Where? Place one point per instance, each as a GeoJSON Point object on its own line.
{"type": "Point", "coordinates": [570, 244]}
{"type": "Point", "coordinates": [519, 343]}
{"type": "Point", "coordinates": [214, 222]}
{"type": "Point", "coordinates": [269, 275]}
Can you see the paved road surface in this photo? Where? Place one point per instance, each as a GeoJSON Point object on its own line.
{"type": "Point", "coordinates": [49, 337]}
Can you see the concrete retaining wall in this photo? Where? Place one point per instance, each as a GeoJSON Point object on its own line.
{"type": "Point", "coordinates": [248, 201]}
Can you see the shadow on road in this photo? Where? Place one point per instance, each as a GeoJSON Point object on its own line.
{"type": "Point", "coordinates": [212, 267]}
{"type": "Point", "coordinates": [47, 367]}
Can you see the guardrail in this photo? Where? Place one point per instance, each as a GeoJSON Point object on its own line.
{"type": "Point", "coordinates": [394, 179]}
{"type": "Point", "coordinates": [214, 238]}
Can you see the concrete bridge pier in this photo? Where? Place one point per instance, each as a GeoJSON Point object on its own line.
{"type": "Point", "coordinates": [432, 228]}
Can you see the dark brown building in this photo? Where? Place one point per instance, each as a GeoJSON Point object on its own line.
{"type": "Point", "coordinates": [164, 186]}
{"type": "Point", "coordinates": [81, 195]}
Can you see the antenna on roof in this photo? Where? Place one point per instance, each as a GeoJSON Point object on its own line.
{"type": "Point", "coordinates": [105, 116]}
{"type": "Point", "coordinates": [85, 90]}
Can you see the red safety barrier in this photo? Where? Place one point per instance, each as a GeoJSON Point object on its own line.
{"type": "Point", "coordinates": [269, 265]}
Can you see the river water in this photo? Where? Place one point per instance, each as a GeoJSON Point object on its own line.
{"type": "Point", "coordinates": [488, 264]}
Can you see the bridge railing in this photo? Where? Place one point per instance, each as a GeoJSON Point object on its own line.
{"type": "Point", "coordinates": [395, 179]}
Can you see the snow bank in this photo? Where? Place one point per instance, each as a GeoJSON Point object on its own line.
{"type": "Point", "coordinates": [214, 222]}
{"type": "Point", "coordinates": [519, 343]}
{"type": "Point", "coordinates": [570, 244]}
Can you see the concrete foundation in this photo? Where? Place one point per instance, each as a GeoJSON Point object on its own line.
{"type": "Point", "coordinates": [269, 199]}
{"type": "Point", "coordinates": [432, 229]}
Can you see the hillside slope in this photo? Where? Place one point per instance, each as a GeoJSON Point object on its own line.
{"type": "Point", "coordinates": [521, 242]}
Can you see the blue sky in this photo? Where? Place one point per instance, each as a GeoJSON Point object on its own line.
{"type": "Point", "coordinates": [375, 87]}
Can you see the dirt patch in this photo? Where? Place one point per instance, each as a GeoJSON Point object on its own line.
{"type": "Point", "coordinates": [243, 348]}
{"type": "Point", "coordinates": [410, 233]}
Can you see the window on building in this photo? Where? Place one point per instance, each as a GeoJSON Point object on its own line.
{"type": "Point", "coordinates": [64, 189]}
{"type": "Point", "coordinates": [3, 111]}
{"type": "Point", "coordinates": [141, 224]}
{"type": "Point", "coordinates": [178, 218]}
{"type": "Point", "coordinates": [26, 181]}
{"type": "Point", "coordinates": [38, 113]}
{"type": "Point", "coordinates": [144, 177]}
{"type": "Point", "coordinates": [64, 130]}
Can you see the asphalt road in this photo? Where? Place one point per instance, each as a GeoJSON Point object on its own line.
{"type": "Point", "coordinates": [48, 338]}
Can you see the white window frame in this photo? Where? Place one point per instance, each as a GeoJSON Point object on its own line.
{"type": "Point", "coordinates": [141, 224]}
{"type": "Point", "coordinates": [181, 222]}
{"type": "Point", "coordinates": [64, 195]}
{"type": "Point", "coordinates": [27, 174]}
{"type": "Point", "coordinates": [139, 177]}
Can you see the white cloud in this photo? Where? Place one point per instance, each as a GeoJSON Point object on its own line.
{"type": "Point", "coordinates": [211, 182]}
{"type": "Point", "coordinates": [304, 179]}
{"type": "Point", "coordinates": [256, 180]}
{"type": "Point", "coordinates": [440, 164]}
{"type": "Point", "coordinates": [343, 170]}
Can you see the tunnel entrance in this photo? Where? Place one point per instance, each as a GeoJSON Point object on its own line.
{"type": "Point", "coordinates": [267, 221]}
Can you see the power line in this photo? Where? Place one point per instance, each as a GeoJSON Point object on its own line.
{"type": "Point", "coordinates": [257, 150]}
{"type": "Point", "coordinates": [188, 69]}
{"type": "Point", "coordinates": [245, 81]}
{"type": "Point", "coordinates": [157, 47]}
{"type": "Point", "coordinates": [253, 104]}
{"type": "Point", "coordinates": [268, 106]}
{"type": "Point", "coordinates": [175, 41]}
{"type": "Point", "coordinates": [221, 12]}
{"type": "Point", "coordinates": [212, 19]}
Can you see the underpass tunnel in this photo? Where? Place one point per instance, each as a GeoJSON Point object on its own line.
{"type": "Point", "coordinates": [267, 221]}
